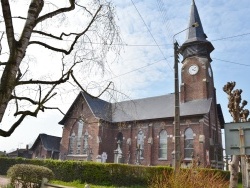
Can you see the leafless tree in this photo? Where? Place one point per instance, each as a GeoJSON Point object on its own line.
{"type": "Point", "coordinates": [80, 32]}
{"type": "Point", "coordinates": [239, 114]}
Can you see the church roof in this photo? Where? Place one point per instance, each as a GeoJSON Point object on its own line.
{"type": "Point", "coordinates": [99, 107]}
{"type": "Point", "coordinates": [156, 108]}
{"type": "Point", "coordinates": [140, 109]}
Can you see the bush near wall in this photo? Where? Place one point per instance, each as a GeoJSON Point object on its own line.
{"type": "Point", "coordinates": [98, 173]}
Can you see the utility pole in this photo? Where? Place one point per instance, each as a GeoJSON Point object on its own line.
{"type": "Point", "coordinates": [177, 109]}
{"type": "Point", "coordinates": [177, 149]}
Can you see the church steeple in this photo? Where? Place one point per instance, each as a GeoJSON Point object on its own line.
{"type": "Point", "coordinates": [196, 43]}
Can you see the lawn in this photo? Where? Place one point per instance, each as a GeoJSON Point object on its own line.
{"type": "Point", "coordinates": [77, 184]}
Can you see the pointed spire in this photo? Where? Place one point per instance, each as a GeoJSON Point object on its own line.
{"type": "Point", "coordinates": [196, 43]}
{"type": "Point", "coordinates": [195, 33]}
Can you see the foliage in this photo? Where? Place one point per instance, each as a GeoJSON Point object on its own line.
{"type": "Point", "coordinates": [27, 175]}
{"type": "Point", "coordinates": [190, 178]}
{"type": "Point", "coordinates": [109, 174]}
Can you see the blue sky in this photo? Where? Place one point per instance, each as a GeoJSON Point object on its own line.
{"type": "Point", "coordinates": [145, 65]}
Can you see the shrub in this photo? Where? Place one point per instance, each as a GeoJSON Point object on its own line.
{"type": "Point", "coordinates": [26, 175]}
{"type": "Point", "coordinates": [190, 178]}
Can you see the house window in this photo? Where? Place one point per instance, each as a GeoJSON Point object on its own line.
{"type": "Point", "coordinates": [163, 144]}
{"type": "Point", "coordinates": [71, 143]}
{"type": "Point", "coordinates": [140, 143]}
{"type": "Point", "coordinates": [189, 144]}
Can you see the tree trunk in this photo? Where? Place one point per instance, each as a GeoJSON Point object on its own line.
{"type": "Point", "coordinates": [234, 171]}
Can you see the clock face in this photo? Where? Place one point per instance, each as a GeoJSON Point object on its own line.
{"type": "Point", "coordinates": [193, 69]}
{"type": "Point", "coordinates": [209, 71]}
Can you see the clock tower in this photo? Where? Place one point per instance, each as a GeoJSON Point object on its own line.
{"type": "Point", "coordinates": [196, 72]}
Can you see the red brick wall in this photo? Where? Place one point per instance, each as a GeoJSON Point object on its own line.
{"type": "Point", "coordinates": [80, 111]}
{"type": "Point", "coordinates": [152, 129]}
{"type": "Point", "coordinates": [107, 132]}
{"type": "Point", "coordinates": [199, 86]}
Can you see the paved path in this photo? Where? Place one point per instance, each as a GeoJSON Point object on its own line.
{"type": "Point", "coordinates": [4, 181]}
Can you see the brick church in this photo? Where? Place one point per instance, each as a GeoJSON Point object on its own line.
{"type": "Point", "coordinates": [141, 131]}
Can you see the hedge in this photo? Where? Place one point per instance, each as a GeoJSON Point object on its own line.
{"type": "Point", "coordinates": [97, 173]}
{"type": "Point", "coordinates": [27, 175]}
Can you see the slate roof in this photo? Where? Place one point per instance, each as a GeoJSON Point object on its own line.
{"type": "Point", "coordinates": [156, 108]}
{"type": "Point", "coordinates": [140, 109]}
{"type": "Point", "coordinates": [195, 33]}
{"type": "Point", "coordinates": [99, 107]}
{"type": "Point", "coordinates": [50, 143]}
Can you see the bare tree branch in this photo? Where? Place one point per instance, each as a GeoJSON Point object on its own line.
{"type": "Point", "coordinates": [84, 8]}
{"type": "Point", "coordinates": [48, 35]}
{"type": "Point", "coordinates": [13, 127]}
{"type": "Point", "coordinates": [79, 85]}
{"type": "Point", "coordinates": [14, 84]}
{"type": "Point", "coordinates": [63, 79]}
{"type": "Point", "coordinates": [3, 63]}
{"type": "Point", "coordinates": [75, 40]}
{"type": "Point", "coordinates": [56, 12]}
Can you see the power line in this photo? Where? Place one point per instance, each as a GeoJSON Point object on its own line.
{"type": "Point", "coordinates": [224, 38]}
{"type": "Point", "coordinates": [232, 62]}
{"type": "Point", "coordinates": [151, 34]}
{"type": "Point", "coordinates": [162, 60]}
{"type": "Point", "coordinates": [133, 70]}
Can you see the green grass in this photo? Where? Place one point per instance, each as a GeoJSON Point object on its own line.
{"type": "Point", "coordinates": [77, 184]}
{"type": "Point", "coordinates": [239, 185]}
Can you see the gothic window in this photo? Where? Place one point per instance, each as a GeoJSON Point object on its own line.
{"type": "Point", "coordinates": [188, 144]}
{"type": "Point", "coordinates": [163, 141]}
{"type": "Point", "coordinates": [76, 137]}
{"type": "Point", "coordinates": [120, 138]}
{"type": "Point", "coordinates": [79, 136]}
{"type": "Point", "coordinates": [140, 143]}
{"type": "Point", "coordinates": [71, 143]}
{"type": "Point", "coordinates": [85, 142]}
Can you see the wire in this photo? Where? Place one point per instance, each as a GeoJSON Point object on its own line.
{"type": "Point", "coordinates": [224, 38]}
{"type": "Point", "coordinates": [151, 34]}
{"type": "Point", "coordinates": [165, 18]}
{"type": "Point", "coordinates": [232, 62]}
{"type": "Point", "coordinates": [134, 70]}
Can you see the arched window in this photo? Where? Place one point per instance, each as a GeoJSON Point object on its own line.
{"type": "Point", "coordinates": [79, 136]}
{"type": "Point", "coordinates": [163, 144]}
{"type": "Point", "coordinates": [71, 143]}
{"type": "Point", "coordinates": [120, 137]}
{"type": "Point", "coordinates": [140, 143]}
{"type": "Point", "coordinates": [85, 142]}
{"type": "Point", "coordinates": [189, 144]}
{"type": "Point", "coordinates": [76, 138]}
